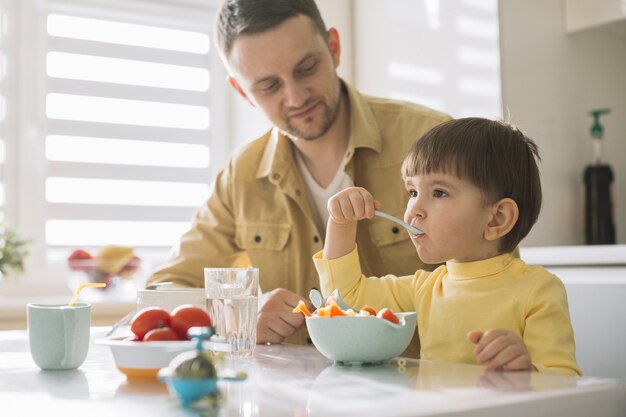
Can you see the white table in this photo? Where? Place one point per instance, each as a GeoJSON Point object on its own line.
{"type": "Point", "coordinates": [287, 380]}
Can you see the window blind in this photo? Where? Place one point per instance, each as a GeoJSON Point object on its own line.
{"type": "Point", "coordinates": [126, 122]}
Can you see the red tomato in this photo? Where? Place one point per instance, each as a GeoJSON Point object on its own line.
{"type": "Point", "coordinates": [160, 333]}
{"type": "Point", "coordinates": [147, 319]}
{"type": "Point", "coordinates": [387, 314]}
{"type": "Point", "coordinates": [186, 316]}
{"type": "Point", "coordinates": [369, 309]}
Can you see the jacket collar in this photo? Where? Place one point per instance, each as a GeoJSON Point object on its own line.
{"type": "Point", "coordinates": [364, 133]}
{"type": "Point", "coordinates": [364, 130]}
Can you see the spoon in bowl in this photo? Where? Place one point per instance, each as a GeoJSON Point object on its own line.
{"type": "Point", "coordinates": [414, 230]}
{"type": "Point", "coordinates": [318, 300]}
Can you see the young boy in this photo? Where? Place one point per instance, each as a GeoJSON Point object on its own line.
{"type": "Point", "coordinates": [475, 193]}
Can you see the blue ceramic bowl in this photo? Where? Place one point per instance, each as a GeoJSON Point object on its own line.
{"type": "Point", "coordinates": [360, 340]}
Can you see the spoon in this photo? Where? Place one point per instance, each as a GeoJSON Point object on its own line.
{"type": "Point", "coordinates": [156, 285]}
{"type": "Point", "coordinates": [82, 287]}
{"type": "Point", "coordinates": [318, 299]}
{"type": "Point", "coordinates": [408, 227]}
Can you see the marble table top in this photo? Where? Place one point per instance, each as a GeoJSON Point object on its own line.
{"type": "Point", "coordinates": [289, 380]}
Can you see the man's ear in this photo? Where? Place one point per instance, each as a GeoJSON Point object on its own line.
{"type": "Point", "coordinates": [504, 215]}
{"type": "Point", "coordinates": [334, 45]}
{"type": "Point", "coordinates": [234, 84]}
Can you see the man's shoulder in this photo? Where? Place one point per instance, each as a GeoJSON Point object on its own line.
{"type": "Point", "coordinates": [246, 158]}
{"type": "Point", "coordinates": [392, 108]}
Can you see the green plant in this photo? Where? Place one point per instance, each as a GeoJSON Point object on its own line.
{"type": "Point", "coordinates": [13, 251]}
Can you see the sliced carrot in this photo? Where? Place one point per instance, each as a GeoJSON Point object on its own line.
{"type": "Point", "coordinates": [321, 312]}
{"type": "Point", "coordinates": [301, 308]}
{"type": "Point", "coordinates": [335, 311]}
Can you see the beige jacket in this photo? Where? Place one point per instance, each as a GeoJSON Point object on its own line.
{"type": "Point", "coordinates": [258, 212]}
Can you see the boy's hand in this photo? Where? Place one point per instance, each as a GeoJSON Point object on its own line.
{"type": "Point", "coordinates": [351, 205]}
{"type": "Point", "coordinates": [500, 349]}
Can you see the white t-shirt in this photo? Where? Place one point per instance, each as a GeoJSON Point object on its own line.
{"type": "Point", "coordinates": [318, 196]}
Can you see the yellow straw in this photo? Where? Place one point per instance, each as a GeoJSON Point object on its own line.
{"type": "Point", "coordinates": [82, 287]}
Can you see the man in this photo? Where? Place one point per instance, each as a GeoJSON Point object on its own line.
{"type": "Point", "coordinates": [268, 206]}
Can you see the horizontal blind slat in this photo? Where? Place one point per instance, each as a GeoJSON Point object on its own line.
{"type": "Point", "coordinates": [132, 213]}
{"type": "Point", "coordinates": [128, 92]}
{"type": "Point", "coordinates": [84, 170]}
{"type": "Point", "coordinates": [107, 130]}
{"type": "Point", "coordinates": [86, 47]}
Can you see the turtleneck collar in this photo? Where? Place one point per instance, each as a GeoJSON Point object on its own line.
{"type": "Point", "coordinates": [479, 269]}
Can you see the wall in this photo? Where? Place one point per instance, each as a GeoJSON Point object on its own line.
{"type": "Point", "coordinates": [550, 80]}
{"type": "Point", "coordinates": [443, 55]}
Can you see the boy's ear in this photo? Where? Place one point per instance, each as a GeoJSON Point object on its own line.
{"type": "Point", "coordinates": [504, 215]}
{"type": "Point", "coordinates": [235, 85]}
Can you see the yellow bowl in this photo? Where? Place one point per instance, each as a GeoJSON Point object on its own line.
{"type": "Point", "coordinates": [143, 360]}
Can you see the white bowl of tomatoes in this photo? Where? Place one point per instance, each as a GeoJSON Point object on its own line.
{"type": "Point", "coordinates": [364, 337]}
{"type": "Point", "coordinates": [158, 336]}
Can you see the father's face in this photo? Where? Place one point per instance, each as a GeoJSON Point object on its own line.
{"type": "Point", "coordinates": [290, 73]}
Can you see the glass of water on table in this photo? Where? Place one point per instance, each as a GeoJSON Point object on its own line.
{"type": "Point", "coordinates": [232, 303]}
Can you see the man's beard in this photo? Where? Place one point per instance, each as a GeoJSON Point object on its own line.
{"type": "Point", "coordinates": [329, 115]}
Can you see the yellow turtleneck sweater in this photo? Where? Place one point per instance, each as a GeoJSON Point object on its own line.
{"type": "Point", "coordinates": [501, 292]}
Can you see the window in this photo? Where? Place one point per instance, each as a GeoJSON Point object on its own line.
{"type": "Point", "coordinates": [115, 124]}
{"type": "Point", "coordinates": [444, 55]}
{"type": "Point", "coordinates": [7, 114]}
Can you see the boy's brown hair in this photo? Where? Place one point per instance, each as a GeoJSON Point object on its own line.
{"type": "Point", "coordinates": [238, 17]}
{"type": "Point", "coordinates": [494, 155]}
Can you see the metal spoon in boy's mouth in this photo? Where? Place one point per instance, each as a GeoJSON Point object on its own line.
{"type": "Point", "coordinates": [414, 230]}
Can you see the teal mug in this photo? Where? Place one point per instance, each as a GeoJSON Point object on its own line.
{"type": "Point", "coordinates": [58, 334]}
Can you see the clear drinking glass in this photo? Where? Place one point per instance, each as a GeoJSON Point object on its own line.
{"type": "Point", "coordinates": [232, 303]}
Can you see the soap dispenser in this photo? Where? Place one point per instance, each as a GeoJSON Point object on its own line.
{"type": "Point", "coordinates": [598, 176]}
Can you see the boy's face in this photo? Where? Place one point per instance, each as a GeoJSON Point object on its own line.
{"type": "Point", "coordinates": [290, 72]}
{"type": "Point", "coordinates": [453, 215]}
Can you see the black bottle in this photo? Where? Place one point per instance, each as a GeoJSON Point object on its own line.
{"type": "Point", "coordinates": [599, 226]}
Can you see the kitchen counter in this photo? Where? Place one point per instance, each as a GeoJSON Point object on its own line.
{"type": "Point", "coordinates": [595, 279]}
{"type": "Point", "coordinates": [584, 255]}
{"type": "Point", "coordinates": [288, 380]}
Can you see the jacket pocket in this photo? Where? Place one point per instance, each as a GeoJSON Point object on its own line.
{"type": "Point", "coordinates": [253, 236]}
{"type": "Point", "coordinates": [266, 245]}
{"type": "Point", "coordinates": [384, 232]}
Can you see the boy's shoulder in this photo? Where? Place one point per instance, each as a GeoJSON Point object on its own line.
{"type": "Point", "coordinates": [538, 275]}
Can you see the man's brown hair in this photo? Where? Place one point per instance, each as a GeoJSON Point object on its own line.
{"type": "Point", "coordinates": [494, 155]}
{"type": "Point", "coordinates": [238, 17]}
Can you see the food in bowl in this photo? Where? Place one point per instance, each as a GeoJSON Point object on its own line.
{"type": "Point", "coordinates": [332, 309]}
{"type": "Point", "coordinates": [158, 336]}
{"type": "Point", "coordinates": [155, 323]}
{"type": "Point", "coordinates": [356, 338]}
{"type": "Point", "coordinates": [111, 261]}
{"type": "Point", "coordinates": [143, 360]}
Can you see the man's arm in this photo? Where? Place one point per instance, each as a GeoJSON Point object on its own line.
{"type": "Point", "coordinates": [209, 242]}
